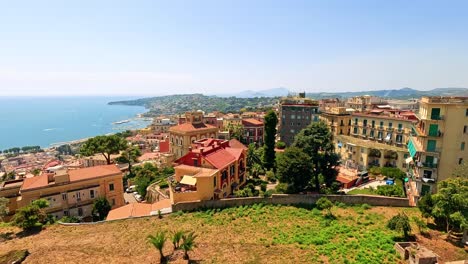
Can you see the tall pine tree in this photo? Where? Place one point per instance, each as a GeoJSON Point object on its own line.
{"type": "Point", "coordinates": [271, 120]}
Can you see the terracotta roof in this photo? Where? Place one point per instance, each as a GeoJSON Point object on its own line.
{"type": "Point", "coordinates": [220, 158]}
{"type": "Point", "coordinates": [35, 182]}
{"type": "Point", "coordinates": [251, 122]}
{"type": "Point", "coordinates": [148, 156]}
{"type": "Point", "coordinates": [75, 175]}
{"type": "Point", "coordinates": [186, 127]}
{"type": "Point", "coordinates": [93, 172]}
{"type": "Point", "coordinates": [137, 210]}
{"type": "Point", "coordinates": [234, 143]}
{"type": "Point", "coordinates": [236, 152]}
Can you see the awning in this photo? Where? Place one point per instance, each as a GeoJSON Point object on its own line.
{"type": "Point", "coordinates": [409, 160]}
{"type": "Point", "coordinates": [411, 148]}
{"type": "Point", "coordinates": [388, 137]}
{"type": "Point", "coordinates": [188, 180]}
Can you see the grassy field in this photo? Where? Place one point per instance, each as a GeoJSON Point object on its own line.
{"type": "Point", "coordinates": [254, 234]}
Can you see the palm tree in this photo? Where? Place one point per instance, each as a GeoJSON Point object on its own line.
{"type": "Point", "coordinates": [176, 239]}
{"type": "Point", "coordinates": [188, 243]}
{"type": "Point", "coordinates": [158, 242]}
{"type": "Point", "coordinates": [253, 157]}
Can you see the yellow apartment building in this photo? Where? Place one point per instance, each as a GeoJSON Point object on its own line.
{"type": "Point", "coordinates": [69, 193]}
{"type": "Point", "coordinates": [182, 136]}
{"type": "Point", "coordinates": [439, 144]}
{"type": "Point", "coordinates": [212, 169]}
{"type": "Point", "coordinates": [372, 138]}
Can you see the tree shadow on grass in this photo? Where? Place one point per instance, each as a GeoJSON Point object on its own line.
{"type": "Point", "coordinates": [29, 232]}
{"type": "Point", "coordinates": [6, 236]}
{"type": "Point", "coordinates": [410, 238]}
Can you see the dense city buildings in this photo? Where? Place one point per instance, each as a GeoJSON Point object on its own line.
{"type": "Point", "coordinates": [212, 169]}
{"type": "Point", "coordinates": [365, 102]}
{"type": "Point", "coordinates": [182, 136]}
{"type": "Point", "coordinates": [439, 143]}
{"type": "Point", "coordinates": [295, 114]}
{"type": "Point", "coordinates": [69, 192]}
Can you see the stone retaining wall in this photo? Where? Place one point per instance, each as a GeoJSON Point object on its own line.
{"type": "Point", "coordinates": [291, 199]}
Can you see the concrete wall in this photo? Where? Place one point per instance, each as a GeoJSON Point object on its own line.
{"type": "Point", "coordinates": [290, 199]}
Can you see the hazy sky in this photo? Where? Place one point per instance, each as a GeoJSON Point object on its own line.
{"type": "Point", "coordinates": [155, 47]}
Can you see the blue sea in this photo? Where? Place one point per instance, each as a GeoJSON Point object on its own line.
{"type": "Point", "coordinates": [43, 121]}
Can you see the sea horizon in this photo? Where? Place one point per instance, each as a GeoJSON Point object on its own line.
{"type": "Point", "coordinates": [48, 120]}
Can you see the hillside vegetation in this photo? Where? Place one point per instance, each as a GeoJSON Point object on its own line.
{"type": "Point", "coordinates": [176, 104]}
{"type": "Point", "coordinates": [251, 234]}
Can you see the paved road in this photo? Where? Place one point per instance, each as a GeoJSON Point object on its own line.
{"type": "Point", "coordinates": [129, 198]}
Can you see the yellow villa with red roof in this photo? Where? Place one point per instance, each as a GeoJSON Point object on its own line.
{"type": "Point", "coordinates": [69, 192]}
{"type": "Point", "coordinates": [212, 169]}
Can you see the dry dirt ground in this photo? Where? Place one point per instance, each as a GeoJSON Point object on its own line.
{"type": "Point", "coordinates": [231, 236]}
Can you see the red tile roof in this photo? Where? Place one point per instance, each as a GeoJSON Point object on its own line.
{"type": "Point", "coordinates": [220, 158]}
{"type": "Point", "coordinates": [234, 143]}
{"type": "Point", "coordinates": [75, 175]}
{"type": "Point", "coordinates": [35, 182]}
{"type": "Point", "coordinates": [251, 122]}
{"type": "Point", "coordinates": [137, 210]}
{"type": "Point", "coordinates": [187, 127]}
{"type": "Point", "coordinates": [93, 172]}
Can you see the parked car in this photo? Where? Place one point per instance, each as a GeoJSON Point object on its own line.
{"type": "Point", "coordinates": [131, 189]}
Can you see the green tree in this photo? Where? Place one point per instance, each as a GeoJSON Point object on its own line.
{"type": "Point", "coordinates": [158, 242]}
{"type": "Point", "coordinates": [425, 205]}
{"type": "Point", "coordinates": [236, 131]}
{"type": "Point", "coordinates": [400, 223]}
{"type": "Point", "coordinates": [105, 145]}
{"type": "Point", "coordinates": [461, 170]}
{"type": "Point", "coordinates": [271, 120]}
{"type": "Point", "coordinates": [101, 208]}
{"type": "Point", "coordinates": [451, 202]}
{"type": "Point", "coordinates": [293, 167]}
{"type": "Point", "coordinates": [252, 157]}
{"type": "Point", "coordinates": [31, 216]}
{"type": "Point", "coordinates": [145, 175]}
{"type": "Point", "coordinates": [3, 207]}
{"type": "Point", "coordinates": [130, 155]}
{"type": "Point", "coordinates": [36, 172]}
{"type": "Point", "coordinates": [325, 204]}
{"type": "Point", "coordinates": [316, 141]}
{"type": "Point", "coordinates": [188, 244]}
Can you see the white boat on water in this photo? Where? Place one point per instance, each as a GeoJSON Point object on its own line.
{"type": "Point", "coordinates": [121, 122]}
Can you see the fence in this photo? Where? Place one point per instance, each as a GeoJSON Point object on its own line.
{"type": "Point", "coordinates": [292, 199]}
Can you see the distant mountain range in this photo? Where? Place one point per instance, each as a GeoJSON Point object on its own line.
{"type": "Point", "coordinates": [275, 92]}
{"type": "Point", "coordinates": [403, 93]}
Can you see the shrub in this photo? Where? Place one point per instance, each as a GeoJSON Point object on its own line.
{"type": "Point", "coordinates": [263, 187]}
{"type": "Point", "coordinates": [164, 185]}
{"type": "Point", "coordinates": [420, 224]}
{"type": "Point", "coordinates": [390, 190]}
{"type": "Point", "coordinates": [270, 176]}
{"type": "Point", "coordinates": [69, 219]}
{"type": "Point", "coordinates": [375, 170]}
{"type": "Point", "coordinates": [366, 206]}
{"type": "Point", "coordinates": [101, 208]}
{"type": "Point", "coordinates": [324, 204]}
{"type": "Point", "coordinates": [280, 145]}
{"type": "Point", "coordinates": [282, 188]}
{"type": "Point", "coordinates": [31, 216]}
{"type": "Point", "coordinates": [400, 222]}
{"type": "Point", "coordinates": [268, 193]}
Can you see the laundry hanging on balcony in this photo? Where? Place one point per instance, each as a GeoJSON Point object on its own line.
{"type": "Point", "coordinates": [388, 137]}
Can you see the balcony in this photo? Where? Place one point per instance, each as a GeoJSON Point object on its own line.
{"type": "Point", "coordinates": [435, 134]}
{"type": "Point", "coordinates": [429, 165]}
{"type": "Point", "coordinates": [399, 131]}
{"type": "Point", "coordinates": [390, 129]}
